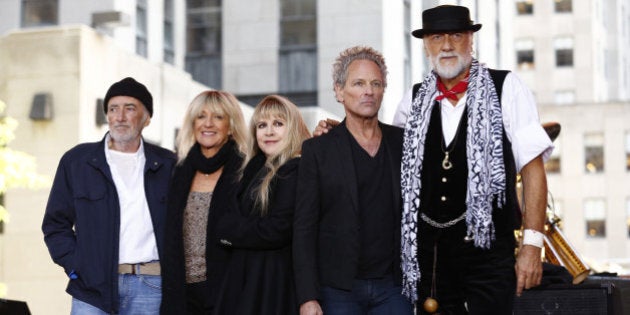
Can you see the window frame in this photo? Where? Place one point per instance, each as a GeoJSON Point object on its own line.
{"type": "Point", "coordinates": [169, 32]}
{"type": "Point", "coordinates": [594, 164]}
{"type": "Point", "coordinates": [142, 31]}
{"type": "Point", "coordinates": [46, 10]}
{"type": "Point", "coordinates": [554, 163]}
{"type": "Point", "coordinates": [525, 46]}
{"type": "Point", "coordinates": [564, 47]}
{"type": "Point", "coordinates": [204, 19]}
{"type": "Point", "coordinates": [524, 7]}
{"type": "Point", "coordinates": [297, 60]}
{"type": "Point", "coordinates": [597, 220]}
{"type": "Point", "coordinates": [561, 6]}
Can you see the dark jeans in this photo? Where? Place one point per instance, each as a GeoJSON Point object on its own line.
{"type": "Point", "coordinates": [469, 280]}
{"type": "Point", "coordinates": [367, 297]}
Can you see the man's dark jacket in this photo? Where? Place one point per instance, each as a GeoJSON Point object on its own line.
{"type": "Point", "coordinates": [326, 239]}
{"type": "Point", "coordinates": [82, 221]}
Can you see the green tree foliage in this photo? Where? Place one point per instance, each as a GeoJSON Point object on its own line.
{"type": "Point", "coordinates": [17, 169]}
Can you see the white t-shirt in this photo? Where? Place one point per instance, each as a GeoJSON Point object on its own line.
{"type": "Point", "coordinates": [520, 120]}
{"type": "Point", "coordinates": [137, 242]}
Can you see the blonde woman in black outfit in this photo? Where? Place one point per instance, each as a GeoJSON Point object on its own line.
{"type": "Point", "coordinates": [210, 146]}
{"type": "Point", "coordinates": [259, 278]}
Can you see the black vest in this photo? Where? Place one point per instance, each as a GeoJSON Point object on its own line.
{"type": "Point", "coordinates": [443, 192]}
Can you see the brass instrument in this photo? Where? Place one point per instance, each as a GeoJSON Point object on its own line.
{"type": "Point", "coordinates": [558, 251]}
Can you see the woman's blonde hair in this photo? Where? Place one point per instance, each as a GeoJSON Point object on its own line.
{"type": "Point", "coordinates": [276, 106]}
{"type": "Point", "coordinates": [218, 102]}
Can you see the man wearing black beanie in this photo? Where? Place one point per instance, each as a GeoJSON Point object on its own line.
{"type": "Point", "coordinates": [130, 87]}
{"type": "Point", "coordinates": [106, 209]}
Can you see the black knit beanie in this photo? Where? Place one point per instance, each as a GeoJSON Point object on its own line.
{"type": "Point", "coordinates": [130, 87]}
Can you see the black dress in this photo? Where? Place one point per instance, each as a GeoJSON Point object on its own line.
{"type": "Point", "coordinates": [259, 278]}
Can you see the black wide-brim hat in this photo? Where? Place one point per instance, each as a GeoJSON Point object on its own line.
{"type": "Point", "coordinates": [445, 18]}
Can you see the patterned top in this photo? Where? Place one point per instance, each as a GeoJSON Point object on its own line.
{"type": "Point", "coordinates": [195, 231]}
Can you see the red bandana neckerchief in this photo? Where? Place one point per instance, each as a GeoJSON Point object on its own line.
{"type": "Point", "coordinates": [460, 87]}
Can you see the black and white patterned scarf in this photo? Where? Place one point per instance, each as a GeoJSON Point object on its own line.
{"type": "Point", "coordinates": [486, 169]}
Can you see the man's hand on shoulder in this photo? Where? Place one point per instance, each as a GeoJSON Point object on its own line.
{"type": "Point", "coordinates": [311, 308]}
{"type": "Point", "coordinates": [324, 125]}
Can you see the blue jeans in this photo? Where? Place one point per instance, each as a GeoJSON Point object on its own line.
{"type": "Point", "coordinates": [139, 295]}
{"type": "Point", "coordinates": [367, 297]}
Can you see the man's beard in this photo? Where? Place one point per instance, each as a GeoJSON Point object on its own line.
{"type": "Point", "coordinates": [450, 71]}
{"type": "Point", "coordinates": [124, 135]}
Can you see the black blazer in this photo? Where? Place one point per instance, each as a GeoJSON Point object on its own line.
{"type": "Point", "coordinates": [326, 236]}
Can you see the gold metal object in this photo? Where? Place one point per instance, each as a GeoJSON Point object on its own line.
{"type": "Point", "coordinates": [559, 251]}
{"type": "Point", "coordinates": [430, 305]}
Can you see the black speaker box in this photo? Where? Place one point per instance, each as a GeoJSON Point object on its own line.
{"type": "Point", "coordinates": [620, 294]}
{"type": "Point", "coordinates": [11, 307]}
{"type": "Point", "coordinates": [596, 295]}
{"type": "Point", "coordinates": [585, 298]}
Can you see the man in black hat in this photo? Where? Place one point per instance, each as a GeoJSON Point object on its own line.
{"type": "Point", "coordinates": [106, 209]}
{"type": "Point", "coordinates": [468, 131]}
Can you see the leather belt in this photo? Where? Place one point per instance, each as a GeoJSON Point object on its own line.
{"type": "Point", "coordinates": [150, 269]}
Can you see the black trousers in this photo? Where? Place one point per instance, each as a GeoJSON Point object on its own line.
{"type": "Point", "coordinates": [468, 280]}
{"type": "Point", "coordinates": [196, 299]}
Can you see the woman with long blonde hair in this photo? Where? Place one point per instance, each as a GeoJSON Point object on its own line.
{"type": "Point", "coordinates": [259, 279]}
{"type": "Point", "coordinates": [210, 149]}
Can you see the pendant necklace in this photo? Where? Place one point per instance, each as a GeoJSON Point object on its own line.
{"type": "Point", "coordinates": [446, 162]}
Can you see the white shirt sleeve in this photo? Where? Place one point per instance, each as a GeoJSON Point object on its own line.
{"type": "Point", "coordinates": [522, 124]}
{"type": "Point", "coordinates": [403, 109]}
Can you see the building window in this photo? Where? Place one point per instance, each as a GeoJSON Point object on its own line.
{"type": "Point", "coordinates": [563, 6]}
{"type": "Point", "coordinates": [407, 52]}
{"type": "Point", "coordinates": [564, 51]}
{"type": "Point", "coordinates": [40, 13]}
{"type": "Point", "coordinates": [564, 97]}
{"type": "Point", "coordinates": [141, 28]}
{"type": "Point", "coordinates": [169, 41]}
{"type": "Point", "coordinates": [594, 152]}
{"type": "Point", "coordinates": [553, 164]}
{"type": "Point", "coordinates": [525, 54]}
{"type": "Point", "coordinates": [627, 150]}
{"type": "Point", "coordinates": [203, 41]}
{"type": "Point", "coordinates": [595, 216]}
{"type": "Point", "coordinates": [298, 47]}
{"type": "Point", "coordinates": [524, 7]}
